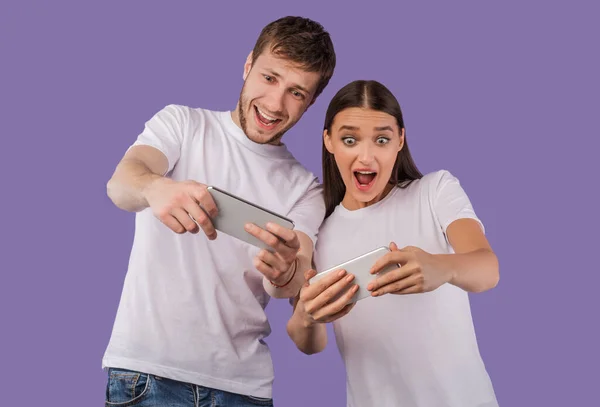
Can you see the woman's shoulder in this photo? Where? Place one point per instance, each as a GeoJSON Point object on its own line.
{"type": "Point", "coordinates": [430, 182]}
{"type": "Point", "coordinates": [436, 177]}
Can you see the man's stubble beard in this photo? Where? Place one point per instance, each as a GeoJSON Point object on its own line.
{"type": "Point", "coordinates": [242, 104]}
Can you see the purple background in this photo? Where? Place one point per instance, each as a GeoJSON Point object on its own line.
{"type": "Point", "coordinates": [502, 94]}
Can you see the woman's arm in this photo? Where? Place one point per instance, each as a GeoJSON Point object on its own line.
{"type": "Point", "coordinates": [473, 267]}
{"type": "Point", "coordinates": [312, 309]}
{"type": "Point", "coordinates": [310, 337]}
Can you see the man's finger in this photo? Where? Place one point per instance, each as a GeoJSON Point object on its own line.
{"type": "Point", "coordinates": [287, 235]}
{"type": "Point", "coordinates": [205, 199]}
{"type": "Point", "coordinates": [270, 239]}
{"type": "Point", "coordinates": [273, 261]}
{"type": "Point", "coordinates": [266, 270]}
{"type": "Point", "coordinates": [172, 224]}
{"type": "Point", "coordinates": [202, 220]}
{"type": "Point", "coordinates": [184, 219]}
{"type": "Point", "coordinates": [196, 213]}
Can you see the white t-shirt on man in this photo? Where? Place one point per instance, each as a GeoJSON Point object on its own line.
{"type": "Point", "coordinates": [416, 350]}
{"type": "Point", "coordinates": [192, 309]}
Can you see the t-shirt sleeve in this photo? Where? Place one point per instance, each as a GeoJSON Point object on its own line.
{"type": "Point", "coordinates": [164, 131]}
{"type": "Point", "coordinates": [451, 201]}
{"type": "Point", "coordinates": [308, 213]}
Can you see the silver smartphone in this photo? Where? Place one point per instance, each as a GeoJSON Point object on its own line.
{"type": "Point", "coordinates": [359, 267]}
{"type": "Point", "coordinates": [235, 212]}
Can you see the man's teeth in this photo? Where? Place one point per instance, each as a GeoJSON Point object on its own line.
{"type": "Point", "coordinates": [266, 117]}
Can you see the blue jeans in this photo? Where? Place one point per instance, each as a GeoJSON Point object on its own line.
{"type": "Point", "coordinates": [127, 388]}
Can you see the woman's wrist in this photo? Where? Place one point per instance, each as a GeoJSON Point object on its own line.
{"type": "Point", "coordinates": [305, 320]}
{"type": "Point", "coordinates": [443, 264]}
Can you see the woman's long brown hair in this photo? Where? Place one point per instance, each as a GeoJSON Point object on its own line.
{"type": "Point", "coordinates": [370, 95]}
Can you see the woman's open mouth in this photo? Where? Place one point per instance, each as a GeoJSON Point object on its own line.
{"type": "Point", "coordinates": [364, 179]}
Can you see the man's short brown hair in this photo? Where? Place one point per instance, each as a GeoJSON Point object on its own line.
{"type": "Point", "coordinates": [304, 42]}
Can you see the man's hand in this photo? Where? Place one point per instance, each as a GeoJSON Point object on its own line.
{"type": "Point", "coordinates": [277, 266]}
{"type": "Point", "coordinates": [182, 205]}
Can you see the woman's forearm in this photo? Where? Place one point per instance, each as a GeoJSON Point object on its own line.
{"type": "Point", "coordinates": [310, 338]}
{"type": "Point", "coordinates": [476, 271]}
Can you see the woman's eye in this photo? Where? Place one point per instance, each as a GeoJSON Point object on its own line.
{"type": "Point", "coordinates": [348, 141]}
{"type": "Point", "coordinates": [383, 140]}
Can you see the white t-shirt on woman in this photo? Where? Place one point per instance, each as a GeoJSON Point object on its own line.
{"type": "Point", "coordinates": [415, 350]}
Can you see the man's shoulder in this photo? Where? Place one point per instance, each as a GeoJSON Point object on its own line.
{"type": "Point", "coordinates": [188, 113]}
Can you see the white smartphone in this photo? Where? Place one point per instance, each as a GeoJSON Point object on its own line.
{"type": "Point", "coordinates": [359, 267]}
{"type": "Point", "coordinates": [235, 212]}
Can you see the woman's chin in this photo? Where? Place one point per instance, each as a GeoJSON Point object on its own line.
{"type": "Point", "coordinates": [360, 198]}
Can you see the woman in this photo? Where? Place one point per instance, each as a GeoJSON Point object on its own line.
{"type": "Point", "coordinates": [412, 343]}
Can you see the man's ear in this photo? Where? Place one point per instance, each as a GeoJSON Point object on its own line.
{"type": "Point", "coordinates": [247, 65]}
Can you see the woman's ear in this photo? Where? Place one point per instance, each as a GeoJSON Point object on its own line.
{"type": "Point", "coordinates": [247, 65]}
{"type": "Point", "coordinates": [401, 145]}
{"type": "Point", "coordinates": [327, 141]}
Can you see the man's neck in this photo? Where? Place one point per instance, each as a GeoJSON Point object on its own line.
{"type": "Point", "coordinates": [235, 116]}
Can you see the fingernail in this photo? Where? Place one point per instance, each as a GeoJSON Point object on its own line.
{"type": "Point", "coordinates": [342, 272]}
{"type": "Point", "coordinates": [350, 277]}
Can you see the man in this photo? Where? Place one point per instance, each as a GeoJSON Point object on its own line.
{"type": "Point", "coordinates": [191, 320]}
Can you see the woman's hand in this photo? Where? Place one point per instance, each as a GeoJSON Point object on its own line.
{"type": "Point", "coordinates": [419, 272]}
{"type": "Point", "coordinates": [326, 300]}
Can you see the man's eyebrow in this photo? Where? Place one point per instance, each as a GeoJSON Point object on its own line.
{"type": "Point", "coordinates": [294, 85]}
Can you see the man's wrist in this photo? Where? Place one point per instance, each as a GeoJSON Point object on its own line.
{"type": "Point", "coordinates": [287, 277]}
{"type": "Point", "coordinates": [148, 182]}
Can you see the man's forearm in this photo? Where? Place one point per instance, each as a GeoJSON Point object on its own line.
{"type": "Point", "coordinates": [127, 185]}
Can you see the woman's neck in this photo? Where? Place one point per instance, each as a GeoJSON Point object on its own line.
{"type": "Point", "coordinates": [352, 204]}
